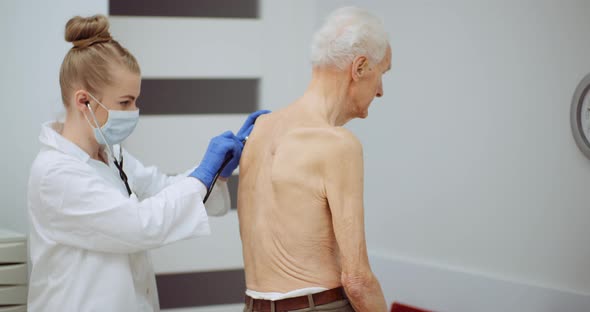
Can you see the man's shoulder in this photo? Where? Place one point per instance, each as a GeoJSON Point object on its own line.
{"type": "Point", "coordinates": [328, 140]}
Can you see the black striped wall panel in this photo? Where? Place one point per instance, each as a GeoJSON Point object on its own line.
{"type": "Point", "coordinates": [186, 8]}
{"type": "Point", "coordinates": [232, 185]}
{"type": "Point", "coordinates": [198, 96]}
{"type": "Point", "coordinates": [197, 289]}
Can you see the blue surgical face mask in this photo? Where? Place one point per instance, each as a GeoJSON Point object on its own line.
{"type": "Point", "coordinates": [119, 125]}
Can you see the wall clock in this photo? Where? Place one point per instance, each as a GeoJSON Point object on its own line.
{"type": "Point", "coordinates": [580, 116]}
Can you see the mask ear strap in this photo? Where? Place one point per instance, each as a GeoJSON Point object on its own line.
{"type": "Point", "coordinates": [99, 130]}
{"type": "Point", "coordinates": [92, 112]}
{"type": "Point", "coordinates": [97, 101]}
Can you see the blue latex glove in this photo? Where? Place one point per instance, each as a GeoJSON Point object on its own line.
{"type": "Point", "coordinates": [240, 137]}
{"type": "Point", "coordinates": [249, 124]}
{"type": "Point", "coordinates": [235, 160]}
{"type": "Point", "coordinates": [220, 147]}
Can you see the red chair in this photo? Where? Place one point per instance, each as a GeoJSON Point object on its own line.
{"type": "Point", "coordinates": [400, 307]}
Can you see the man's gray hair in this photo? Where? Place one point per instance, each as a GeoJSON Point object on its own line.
{"type": "Point", "coordinates": [347, 33]}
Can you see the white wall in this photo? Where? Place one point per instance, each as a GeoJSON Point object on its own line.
{"type": "Point", "coordinates": [470, 162]}
{"type": "Point", "coordinates": [33, 48]}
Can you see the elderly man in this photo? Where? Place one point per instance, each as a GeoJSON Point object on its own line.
{"type": "Point", "coordinates": [300, 198]}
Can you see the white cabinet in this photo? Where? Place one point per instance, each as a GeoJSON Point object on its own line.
{"type": "Point", "coordinates": [13, 272]}
{"type": "Point", "coordinates": [14, 252]}
{"type": "Point", "coordinates": [13, 295]}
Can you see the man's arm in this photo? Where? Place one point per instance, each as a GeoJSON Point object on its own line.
{"type": "Point", "coordinates": [344, 190]}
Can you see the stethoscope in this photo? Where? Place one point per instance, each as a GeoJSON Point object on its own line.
{"type": "Point", "coordinates": [225, 162]}
{"type": "Point", "coordinates": [119, 163]}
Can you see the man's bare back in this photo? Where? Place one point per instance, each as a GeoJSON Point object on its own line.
{"type": "Point", "coordinates": [285, 221]}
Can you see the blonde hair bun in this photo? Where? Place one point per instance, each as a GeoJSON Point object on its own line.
{"type": "Point", "coordinates": [89, 63]}
{"type": "Point", "coordinates": [83, 32]}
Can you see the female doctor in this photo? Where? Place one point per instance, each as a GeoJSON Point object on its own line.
{"type": "Point", "coordinates": [94, 209]}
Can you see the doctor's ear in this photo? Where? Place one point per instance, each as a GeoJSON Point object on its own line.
{"type": "Point", "coordinates": [81, 100]}
{"type": "Point", "coordinates": [360, 65]}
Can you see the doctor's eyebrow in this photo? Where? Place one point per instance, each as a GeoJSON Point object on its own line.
{"type": "Point", "coordinates": [128, 96]}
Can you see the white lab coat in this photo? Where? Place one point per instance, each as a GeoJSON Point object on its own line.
{"type": "Point", "coordinates": [89, 240]}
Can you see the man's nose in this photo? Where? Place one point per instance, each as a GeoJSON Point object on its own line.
{"type": "Point", "coordinates": [379, 92]}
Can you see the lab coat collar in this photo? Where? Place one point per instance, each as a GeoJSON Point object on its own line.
{"type": "Point", "coordinates": [51, 137]}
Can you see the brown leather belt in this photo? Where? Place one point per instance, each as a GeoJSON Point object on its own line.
{"type": "Point", "coordinates": [295, 303]}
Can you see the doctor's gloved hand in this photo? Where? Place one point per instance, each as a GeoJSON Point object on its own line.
{"type": "Point", "coordinates": [249, 124]}
{"type": "Point", "coordinates": [221, 147]}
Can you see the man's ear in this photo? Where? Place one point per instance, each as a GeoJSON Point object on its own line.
{"type": "Point", "coordinates": [360, 65]}
{"type": "Point", "coordinates": [81, 98]}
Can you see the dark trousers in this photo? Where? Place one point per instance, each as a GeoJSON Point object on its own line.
{"type": "Point", "coordinates": [336, 306]}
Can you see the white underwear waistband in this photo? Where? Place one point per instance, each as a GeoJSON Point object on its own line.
{"type": "Point", "coordinates": [279, 296]}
